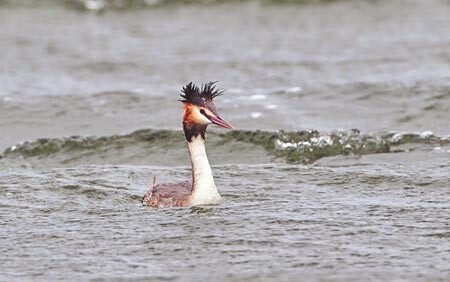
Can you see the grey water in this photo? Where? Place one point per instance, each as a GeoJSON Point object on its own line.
{"type": "Point", "coordinates": [70, 206]}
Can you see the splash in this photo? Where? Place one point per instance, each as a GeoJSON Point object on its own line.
{"type": "Point", "coordinates": [310, 145]}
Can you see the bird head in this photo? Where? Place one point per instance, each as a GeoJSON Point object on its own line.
{"type": "Point", "coordinates": [199, 108]}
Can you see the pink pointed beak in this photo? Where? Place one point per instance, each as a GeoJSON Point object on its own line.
{"type": "Point", "coordinates": [221, 122]}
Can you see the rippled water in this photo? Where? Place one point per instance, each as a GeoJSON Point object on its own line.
{"type": "Point", "coordinates": [330, 203]}
{"type": "Point", "coordinates": [374, 217]}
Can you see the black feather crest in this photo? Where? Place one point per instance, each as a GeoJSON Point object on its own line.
{"type": "Point", "coordinates": [199, 95]}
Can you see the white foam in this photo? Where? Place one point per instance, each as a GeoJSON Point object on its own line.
{"type": "Point", "coordinates": [322, 141]}
{"type": "Point", "coordinates": [258, 97]}
{"type": "Point", "coordinates": [426, 134]}
{"type": "Point", "coordinates": [94, 5]}
{"type": "Point", "coordinates": [256, 115]}
{"type": "Point", "coordinates": [271, 106]}
{"type": "Point", "coordinates": [396, 137]}
{"type": "Point", "coordinates": [280, 145]}
{"type": "Point", "coordinates": [304, 145]}
{"type": "Point", "coordinates": [293, 90]}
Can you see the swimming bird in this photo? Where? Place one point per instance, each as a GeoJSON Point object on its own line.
{"type": "Point", "coordinates": [199, 112]}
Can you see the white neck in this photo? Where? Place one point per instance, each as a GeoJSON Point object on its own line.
{"type": "Point", "coordinates": [204, 191]}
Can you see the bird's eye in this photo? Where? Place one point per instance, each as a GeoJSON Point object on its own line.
{"type": "Point", "coordinates": [202, 111]}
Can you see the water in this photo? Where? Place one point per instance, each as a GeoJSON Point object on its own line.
{"type": "Point", "coordinates": [79, 90]}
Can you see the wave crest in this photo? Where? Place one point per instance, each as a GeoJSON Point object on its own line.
{"type": "Point", "coordinates": [156, 147]}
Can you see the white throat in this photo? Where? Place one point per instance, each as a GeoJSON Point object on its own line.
{"type": "Point", "coordinates": [204, 190]}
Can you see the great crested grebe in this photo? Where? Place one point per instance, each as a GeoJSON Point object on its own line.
{"type": "Point", "coordinates": [199, 112]}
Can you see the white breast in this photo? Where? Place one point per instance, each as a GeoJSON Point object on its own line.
{"type": "Point", "coordinates": [205, 190]}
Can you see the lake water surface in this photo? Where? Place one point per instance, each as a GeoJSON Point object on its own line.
{"type": "Point", "coordinates": [348, 179]}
